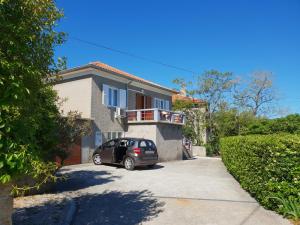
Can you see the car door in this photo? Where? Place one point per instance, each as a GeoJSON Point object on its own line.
{"type": "Point", "coordinates": [107, 151]}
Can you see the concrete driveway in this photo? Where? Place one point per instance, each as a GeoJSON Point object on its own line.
{"type": "Point", "coordinates": [198, 191]}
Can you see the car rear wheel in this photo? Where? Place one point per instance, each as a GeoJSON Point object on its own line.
{"type": "Point", "coordinates": [129, 163]}
{"type": "Point", "coordinates": [97, 159]}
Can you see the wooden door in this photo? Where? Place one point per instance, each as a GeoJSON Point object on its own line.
{"type": "Point", "coordinates": [139, 102]}
{"type": "Point", "coordinates": [143, 102]}
{"type": "Point", "coordinates": [148, 104]}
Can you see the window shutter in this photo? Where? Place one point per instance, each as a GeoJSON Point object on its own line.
{"type": "Point", "coordinates": [156, 103]}
{"type": "Point", "coordinates": [105, 94]}
{"type": "Point", "coordinates": [167, 105]}
{"type": "Point", "coordinates": [123, 99]}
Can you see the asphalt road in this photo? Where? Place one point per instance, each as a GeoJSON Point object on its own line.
{"type": "Point", "coordinates": [198, 191]}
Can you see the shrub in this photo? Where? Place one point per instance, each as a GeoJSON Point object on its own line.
{"type": "Point", "coordinates": [289, 124]}
{"type": "Point", "coordinates": [289, 207]}
{"type": "Point", "coordinates": [267, 166]}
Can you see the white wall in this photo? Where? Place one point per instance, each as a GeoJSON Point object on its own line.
{"type": "Point", "coordinates": [78, 95]}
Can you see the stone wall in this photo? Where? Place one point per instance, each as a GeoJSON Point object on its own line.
{"type": "Point", "coordinates": [6, 204]}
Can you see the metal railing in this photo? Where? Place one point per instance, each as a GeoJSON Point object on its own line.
{"type": "Point", "coordinates": [155, 115]}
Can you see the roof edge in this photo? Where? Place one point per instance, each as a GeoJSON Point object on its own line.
{"type": "Point", "coordinates": [141, 80]}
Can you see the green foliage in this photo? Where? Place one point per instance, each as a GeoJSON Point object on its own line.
{"type": "Point", "coordinates": [183, 105]}
{"type": "Point", "coordinates": [267, 166]}
{"type": "Point", "coordinates": [289, 124]}
{"type": "Point", "coordinates": [194, 119]}
{"type": "Point", "coordinates": [70, 129]}
{"type": "Point", "coordinates": [44, 172]}
{"type": "Point", "coordinates": [289, 207]}
{"type": "Point", "coordinates": [27, 107]}
{"type": "Point", "coordinates": [213, 145]}
{"type": "Point", "coordinates": [213, 87]}
{"type": "Point", "coordinates": [230, 122]}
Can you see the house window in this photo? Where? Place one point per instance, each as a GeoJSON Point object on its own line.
{"type": "Point", "coordinates": [109, 136]}
{"type": "Point", "coordinates": [120, 134]}
{"type": "Point", "coordinates": [109, 96]}
{"type": "Point", "coordinates": [113, 134]}
{"type": "Point", "coordinates": [161, 104]}
{"type": "Point", "coordinates": [114, 97]}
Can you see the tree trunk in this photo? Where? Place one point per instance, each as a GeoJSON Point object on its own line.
{"type": "Point", "coordinates": [6, 204]}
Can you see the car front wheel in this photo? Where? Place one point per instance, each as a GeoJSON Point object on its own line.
{"type": "Point", "coordinates": [129, 163]}
{"type": "Point", "coordinates": [97, 159]}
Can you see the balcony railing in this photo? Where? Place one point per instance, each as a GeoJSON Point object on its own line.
{"type": "Point", "coordinates": [155, 115]}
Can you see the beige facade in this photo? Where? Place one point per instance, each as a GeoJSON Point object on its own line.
{"type": "Point", "coordinates": [76, 96]}
{"type": "Point", "coordinates": [98, 94]}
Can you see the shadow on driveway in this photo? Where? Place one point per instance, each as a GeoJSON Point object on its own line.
{"type": "Point", "coordinates": [117, 208]}
{"type": "Point", "coordinates": [107, 208]}
{"type": "Point", "coordinates": [76, 180]}
{"type": "Point", "coordinates": [155, 167]}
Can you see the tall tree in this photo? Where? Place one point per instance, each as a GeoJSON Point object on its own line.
{"type": "Point", "coordinates": [214, 88]}
{"type": "Point", "coordinates": [258, 95]}
{"type": "Point", "coordinates": [27, 41]}
{"type": "Point", "coordinates": [195, 125]}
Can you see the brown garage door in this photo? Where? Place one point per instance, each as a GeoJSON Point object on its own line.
{"type": "Point", "coordinates": [74, 155]}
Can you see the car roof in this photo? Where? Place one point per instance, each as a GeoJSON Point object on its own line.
{"type": "Point", "coordinates": [129, 138]}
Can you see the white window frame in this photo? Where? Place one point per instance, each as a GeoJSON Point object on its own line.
{"type": "Point", "coordinates": [113, 134]}
{"type": "Point", "coordinates": [161, 104]}
{"type": "Point", "coordinates": [111, 99]}
{"type": "Point", "coordinates": [108, 99]}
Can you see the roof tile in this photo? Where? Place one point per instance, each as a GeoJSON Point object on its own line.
{"type": "Point", "coordinates": [109, 68]}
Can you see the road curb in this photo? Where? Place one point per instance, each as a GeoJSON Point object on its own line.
{"type": "Point", "coordinates": [70, 212]}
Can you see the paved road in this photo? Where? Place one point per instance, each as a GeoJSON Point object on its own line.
{"type": "Point", "coordinates": [189, 192]}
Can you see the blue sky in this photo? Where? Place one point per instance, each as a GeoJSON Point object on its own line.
{"type": "Point", "coordinates": [234, 35]}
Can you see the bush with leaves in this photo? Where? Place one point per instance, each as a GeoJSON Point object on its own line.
{"type": "Point", "coordinates": [289, 207]}
{"type": "Point", "coordinates": [27, 41]}
{"type": "Point", "coordinates": [195, 122]}
{"type": "Point", "coordinates": [267, 166]}
{"type": "Point", "coordinates": [27, 110]}
{"type": "Point", "coordinates": [70, 129]}
{"type": "Point", "coordinates": [289, 124]}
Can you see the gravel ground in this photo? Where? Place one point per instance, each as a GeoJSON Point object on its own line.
{"type": "Point", "coordinates": [193, 192]}
{"type": "Point", "coordinates": [45, 209]}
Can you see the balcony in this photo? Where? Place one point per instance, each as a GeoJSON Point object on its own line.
{"type": "Point", "coordinates": [155, 115]}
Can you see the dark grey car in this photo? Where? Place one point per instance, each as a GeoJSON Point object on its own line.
{"type": "Point", "coordinates": [129, 152]}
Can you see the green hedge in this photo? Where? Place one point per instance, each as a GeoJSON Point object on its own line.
{"type": "Point", "coordinates": [265, 165]}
